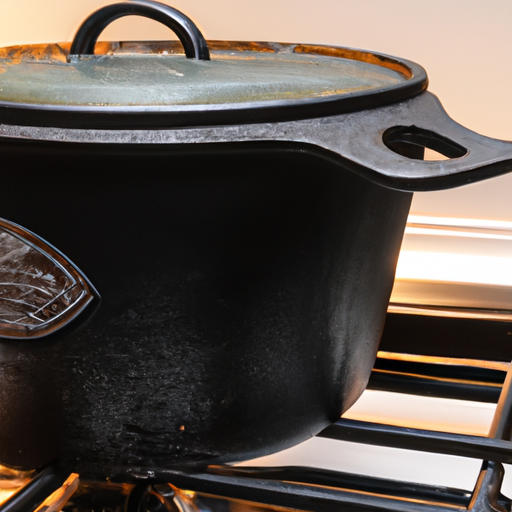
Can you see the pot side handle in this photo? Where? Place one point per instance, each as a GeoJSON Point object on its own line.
{"type": "Point", "coordinates": [387, 144]}
{"type": "Point", "coordinates": [190, 36]}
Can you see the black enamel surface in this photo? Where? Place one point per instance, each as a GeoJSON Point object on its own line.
{"type": "Point", "coordinates": [243, 296]}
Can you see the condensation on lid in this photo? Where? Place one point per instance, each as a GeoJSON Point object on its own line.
{"type": "Point", "coordinates": [156, 74]}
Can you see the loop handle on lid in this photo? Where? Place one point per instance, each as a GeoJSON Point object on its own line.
{"type": "Point", "coordinates": [190, 36]}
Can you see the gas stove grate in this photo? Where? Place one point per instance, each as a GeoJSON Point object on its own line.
{"type": "Point", "coordinates": [317, 490]}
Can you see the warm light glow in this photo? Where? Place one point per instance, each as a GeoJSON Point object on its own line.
{"type": "Point", "coordinates": [60, 497]}
{"type": "Point", "coordinates": [6, 494]}
{"type": "Point", "coordinates": [449, 361]}
{"type": "Point", "coordinates": [437, 249]}
{"type": "Point", "coordinates": [11, 480]}
{"type": "Point", "coordinates": [426, 220]}
{"type": "Point", "coordinates": [423, 412]}
{"type": "Point", "coordinates": [412, 230]}
{"type": "Point", "coordinates": [454, 268]}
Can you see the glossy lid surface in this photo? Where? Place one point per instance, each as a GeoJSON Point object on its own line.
{"type": "Point", "coordinates": [145, 80]}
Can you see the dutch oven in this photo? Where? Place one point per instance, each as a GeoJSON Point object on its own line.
{"type": "Point", "coordinates": [198, 250]}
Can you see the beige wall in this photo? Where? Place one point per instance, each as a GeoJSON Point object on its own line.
{"type": "Point", "coordinates": [465, 45]}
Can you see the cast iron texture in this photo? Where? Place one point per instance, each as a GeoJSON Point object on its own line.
{"type": "Point", "coordinates": [190, 36]}
{"type": "Point", "coordinates": [384, 144]}
{"type": "Point", "coordinates": [243, 293]}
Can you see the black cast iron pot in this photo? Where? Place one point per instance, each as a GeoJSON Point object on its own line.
{"type": "Point", "coordinates": [225, 227]}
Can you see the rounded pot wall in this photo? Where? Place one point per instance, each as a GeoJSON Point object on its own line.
{"type": "Point", "coordinates": [243, 292]}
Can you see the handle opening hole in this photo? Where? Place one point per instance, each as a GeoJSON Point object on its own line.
{"type": "Point", "coordinates": [419, 144]}
{"type": "Point", "coordinates": [137, 28]}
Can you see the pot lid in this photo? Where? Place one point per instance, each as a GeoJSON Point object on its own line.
{"type": "Point", "coordinates": [154, 84]}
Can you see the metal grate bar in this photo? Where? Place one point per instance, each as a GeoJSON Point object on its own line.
{"type": "Point", "coordinates": [486, 495]}
{"type": "Point", "coordinates": [476, 447]}
{"type": "Point", "coordinates": [295, 496]}
{"type": "Point", "coordinates": [341, 480]}
{"type": "Point", "coordinates": [30, 495]}
{"type": "Point", "coordinates": [457, 381]}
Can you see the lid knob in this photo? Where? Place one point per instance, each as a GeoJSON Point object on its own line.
{"type": "Point", "coordinates": [190, 36]}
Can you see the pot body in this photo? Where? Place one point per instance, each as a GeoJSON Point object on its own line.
{"type": "Point", "coordinates": [243, 292]}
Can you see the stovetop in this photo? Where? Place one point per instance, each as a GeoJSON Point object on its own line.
{"type": "Point", "coordinates": [481, 377]}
